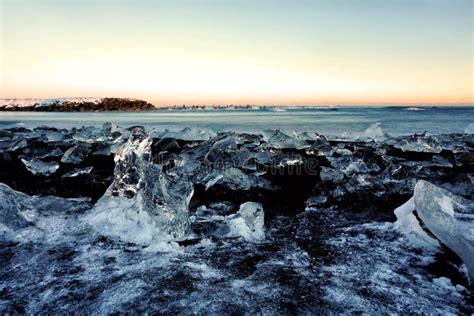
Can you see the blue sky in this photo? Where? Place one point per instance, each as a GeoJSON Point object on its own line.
{"type": "Point", "coordinates": [265, 52]}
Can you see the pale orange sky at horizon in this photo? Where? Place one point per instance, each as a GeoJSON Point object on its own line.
{"type": "Point", "coordinates": [240, 52]}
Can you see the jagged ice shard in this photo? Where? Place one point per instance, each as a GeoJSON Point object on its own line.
{"type": "Point", "coordinates": [144, 201]}
{"type": "Point", "coordinates": [450, 218]}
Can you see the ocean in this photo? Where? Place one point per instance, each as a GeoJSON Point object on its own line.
{"type": "Point", "coordinates": [343, 121]}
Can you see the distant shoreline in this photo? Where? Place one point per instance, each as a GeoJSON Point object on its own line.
{"type": "Point", "coordinates": [136, 105]}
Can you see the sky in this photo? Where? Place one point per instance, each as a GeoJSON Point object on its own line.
{"type": "Point", "coordinates": [291, 52]}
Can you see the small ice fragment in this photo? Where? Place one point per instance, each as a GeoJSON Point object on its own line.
{"type": "Point", "coordinates": [40, 168]}
{"type": "Point", "coordinates": [189, 134]}
{"type": "Point", "coordinates": [330, 174]}
{"type": "Point", "coordinates": [78, 172]}
{"type": "Point", "coordinates": [374, 132]}
{"type": "Point", "coordinates": [343, 152]}
{"type": "Point", "coordinates": [316, 200]}
{"type": "Point", "coordinates": [19, 145]}
{"type": "Point", "coordinates": [279, 140]}
{"type": "Point", "coordinates": [77, 154]}
{"type": "Point", "coordinates": [248, 222]}
{"type": "Point", "coordinates": [469, 129]}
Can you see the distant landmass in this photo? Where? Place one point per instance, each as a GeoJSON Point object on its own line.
{"type": "Point", "coordinates": [75, 105]}
{"type": "Point", "coordinates": [107, 104]}
{"type": "Point", "coordinates": [82, 104]}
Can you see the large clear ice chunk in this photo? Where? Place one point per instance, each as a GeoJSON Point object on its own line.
{"type": "Point", "coordinates": [143, 202]}
{"type": "Point", "coordinates": [450, 218]}
{"type": "Point", "coordinates": [12, 203]}
{"type": "Point", "coordinates": [408, 224]}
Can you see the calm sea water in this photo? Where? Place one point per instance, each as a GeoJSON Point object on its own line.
{"type": "Point", "coordinates": [395, 121]}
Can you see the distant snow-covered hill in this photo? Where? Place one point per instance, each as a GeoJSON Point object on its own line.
{"type": "Point", "coordinates": [75, 104]}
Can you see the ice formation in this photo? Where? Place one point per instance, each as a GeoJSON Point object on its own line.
{"type": "Point", "coordinates": [77, 154]}
{"type": "Point", "coordinates": [11, 205]}
{"type": "Point", "coordinates": [188, 134]}
{"type": "Point", "coordinates": [374, 132]}
{"type": "Point", "coordinates": [449, 217]}
{"type": "Point", "coordinates": [330, 174]}
{"type": "Point", "coordinates": [247, 223]}
{"type": "Point", "coordinates": [409, 225]}
{"type": "Point", "coordinates": [77, 172]}
{"type": "Point", "coordinates": [469, 129]}
{"type": "Point", "coordinates": [143, 201]}
{"type": "Point", "coordinates": [419, 143]}
{"type": "Point", "coordinates": [40, 168]}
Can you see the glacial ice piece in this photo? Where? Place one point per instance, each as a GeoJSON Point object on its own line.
{"type": "Point", "coordinates": [247, 223]}
{"type": "Point", "coordinates": [189, 134]}
{"type": "Point", "coordinates": [234, 179]}
{"type": "Point", "coordinates": [450, 218]}
{"type": "Point", "coordinates": [350, 166]}
{"type": "Point", "coordinates": [456, 143]}
{"type": "Point", "coordinates": [40, 168]}
{"type": "Point", "coordinates": [242, 158]}
{"type": "Point", "coordinates": [290, 160]}
{"type": "Point", "coordinates": [56, 152]}
{"type": "Point", "coordinates": [12, 203]}
{"type": "Point", "coordinates": [330, 174]}
{"type": "Point", "coordinates": [277, 139]}
{"type": "Point", "coordinates": [343, 152]}
{"type": "Point", "coordinates": [78, 172]}
{"type": "Point", "coordinates": [408, 224]}
{"type": "Point", "coordinates": [440, 161]}
{"type": "Point", "coordinates": [223, 149]}
{"type": "Point", "coordinates": [111, 130]}
{"type": "Point", "coordinates": [20, 144]}
{"type": "Point", "coordinates": [304, 136]}
{"type": "Point", "coordinates": [143, 195]}
{"type": "Point", "coordinates": [315, 201]}
{"type": "Point", "coordinates": [253, 217]}
{"type": "Point", "coordinates": [47, 134]}
{"type": "Point", "coordinates": [77, 154]}
{"type": "Point", "coordinates": [231, 177]}
{"type": "Point", "coordinates": [374, 132]}
{"type": "Point", "coordinates": [166, 145]}
{"type": "Point", "coordinates": [320, 147]}
{"type": "Point", "coordinates": [130, 160]}
{"type": "Point", "coordinates": [469, 129]}
{"type": "Point", "coordinates": [19, 210]}
{"type": "Point", "coordinates": [419, 143]}
{"type": "Point", "coordinates": [106, 149]}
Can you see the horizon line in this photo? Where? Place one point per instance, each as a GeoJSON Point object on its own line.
{"type": "Point", "coordinates": [289, 104]}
